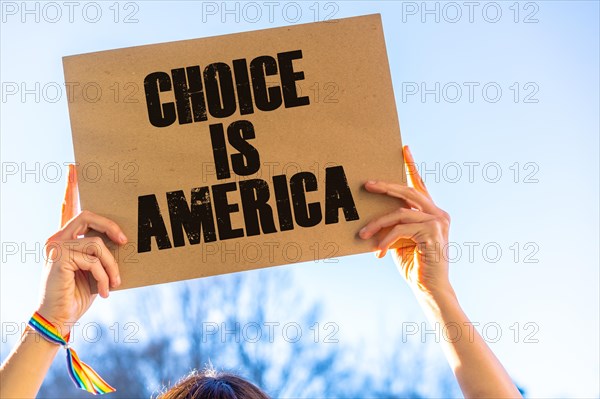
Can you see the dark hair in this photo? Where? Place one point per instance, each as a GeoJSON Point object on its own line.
{"type": "Point", "coordinates": [212, 384]}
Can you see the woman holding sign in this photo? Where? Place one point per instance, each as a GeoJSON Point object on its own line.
{"type": "Point", "coordinates": [66, 296]}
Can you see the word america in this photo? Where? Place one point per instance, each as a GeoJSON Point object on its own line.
{"type": "Point", "coordinates": [198, 220]}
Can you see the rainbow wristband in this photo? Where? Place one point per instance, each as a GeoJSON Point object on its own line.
{"type": "Point", "coordinates": [82, 375]}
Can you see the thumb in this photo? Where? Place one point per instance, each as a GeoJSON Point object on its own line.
{"type": "Point", "coordinates": [413, 176]}
{"type": "Point", "coordinates": [70, 205]}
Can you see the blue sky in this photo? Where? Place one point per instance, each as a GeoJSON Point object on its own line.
{"type": "Point", "coordinates": [515, 162]}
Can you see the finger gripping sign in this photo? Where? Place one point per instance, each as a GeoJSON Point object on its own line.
{"type": "Point", "coordinates": [237, 152]}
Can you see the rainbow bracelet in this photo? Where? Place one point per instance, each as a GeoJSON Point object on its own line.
{"type": "Point", "coordinates": [82, 375]}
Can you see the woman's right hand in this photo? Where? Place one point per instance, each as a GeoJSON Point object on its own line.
{"type": "Point", "coordinates": [423, 264]}
{"type": "Point", "coordinates": [66, 293]}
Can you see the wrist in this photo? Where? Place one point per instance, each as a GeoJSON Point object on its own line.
{"type": "Point", "coordinates": [63, 327]}
{"type": "Point", "coordinates": [434, 290]}
{"type": "Point", "coordinates": [31, 336]}
{"type": "Point", "coordinates": [437, 297]}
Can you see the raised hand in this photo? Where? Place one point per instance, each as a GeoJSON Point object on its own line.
{"type": "Point", "coordinates": [66, 292]}
{"type": "Point", "coordinates": [423, 264]}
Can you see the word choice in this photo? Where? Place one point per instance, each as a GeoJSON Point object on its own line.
{"type": "Point", "coordinates": [213, 90]}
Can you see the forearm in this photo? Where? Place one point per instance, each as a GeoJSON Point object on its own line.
{"type": "Point", "coordinates": [478, 371]}
{"type": "Point", "coordinates": [23, 372]}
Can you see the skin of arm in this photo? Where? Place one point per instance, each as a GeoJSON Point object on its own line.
{"type": "Point", "coordinates": [66, 293]}
{"type": "Point", "coordinates": [423, 265]}
{"type": "Point", "coordinates": [23, 372]}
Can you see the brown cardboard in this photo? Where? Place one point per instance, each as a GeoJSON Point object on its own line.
{"type": "Point", "coordinates": [351, 121]}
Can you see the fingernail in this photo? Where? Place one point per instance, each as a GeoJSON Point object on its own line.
{"type": "Point", "coordinates": [118, 280]}
{"type": "Point", "coordinates": [377, 254]}
{"type": "Point", "coordinates": [371, 182]}
{"type": "Point", "coordinates": [122, 238]}
{"type": "Point", "coordinates": [362, 231]}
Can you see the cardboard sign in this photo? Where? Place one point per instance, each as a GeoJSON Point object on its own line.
{"type": "Point", "coordinates": [237, 152]}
